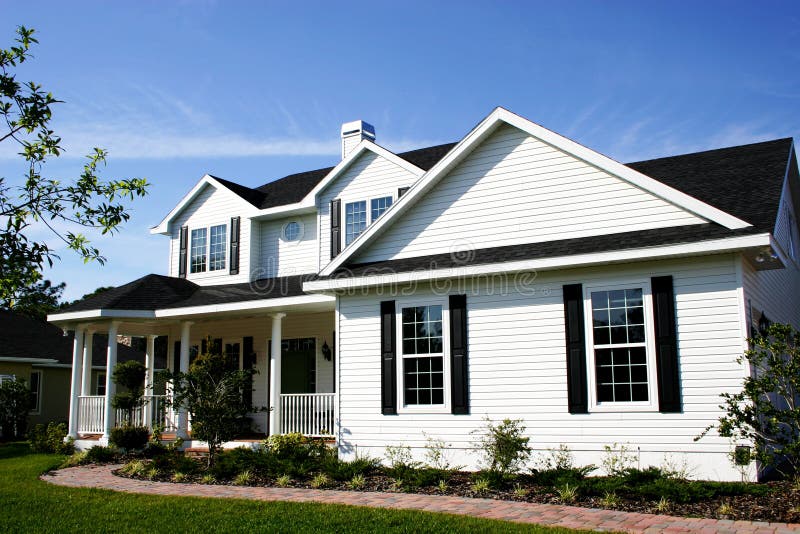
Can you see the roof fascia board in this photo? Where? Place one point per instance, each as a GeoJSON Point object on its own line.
{"type": "Point", "coordinates": [363, 146]}
{"type": "Point", "coordinates": [715, 246]}
{"type": "Point", "coordinates": [27, 360]}
{"type": "Point", "coordinates": [264, 304]}
{"type": "Point", "coordinates": [206, 180]}
{"type": "Point", "coordinates": [101, 314]}
{"type": "Point", "coordinates": [483, 130]}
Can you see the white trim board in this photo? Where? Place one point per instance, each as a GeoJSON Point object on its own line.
{"type": "Point", "coordinates": [261, 304]}
{"type": "Point", "coordinates": [482, 131]}
{"type": "Point", "coordinates": [715, 246]}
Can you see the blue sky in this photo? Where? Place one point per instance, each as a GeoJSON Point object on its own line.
{"type": "Point", "coordinates": [252, 91]}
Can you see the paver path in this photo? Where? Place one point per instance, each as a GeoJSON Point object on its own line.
{"type": "Point", "coordinates": [542, 514]}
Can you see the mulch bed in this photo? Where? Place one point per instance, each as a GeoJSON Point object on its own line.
{"type": "Point", "coordinates": [780, 504]}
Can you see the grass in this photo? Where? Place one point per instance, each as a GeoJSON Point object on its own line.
{"type": "Point", "coordinates": [30, 505]}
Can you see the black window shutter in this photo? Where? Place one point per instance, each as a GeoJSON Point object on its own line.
{"type": "Point", "coordinates": [669, 389]}
{"type": "Point", "coordinates": [234, 261]}
{"type": "Point", "coordinates": [248, 362]}
{"type": "Point", "coordinates": [336, 227]}
{"type": "Point", "coordinates": [176, 357]}
{"type": "Point", "coordinates": [577, 389]}
{"type": "Point", "coordinates": [458, 354]}
{"type": "Point", "coordinates": [402, 191]}
{"type": "Point", "coordinates": [388, 359]}
{"type": "Point", "coordinates": [182, 256]}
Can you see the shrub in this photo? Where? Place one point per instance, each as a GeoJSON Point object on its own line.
{"type": "Point", "coordinates": [519, 491]}
{"type": "Point", "coordinates": [320, 480]}
{"type": "Point", "coordinates": [436, 454]}
{"type": "Point", "coordinates": [283, 481]}
{"type": "Point", "coordinates": [297, 448]}
{"type": "Point", "coordinates": [504, 445]}
{"type": "Point", "coordinates": [135, 468]}
{"type": "Point", "coordinates": [567, 493]}
{"type": "Point", "coordinates": [129, 375]}
{"type": "Point", "coordinates": [343, 470]}
{"type": "Point", "coordinates": [244, 478]}
{"type": "Point", "coordinates": [77, 458]}
{"type": "Point", "coordinates": [15, 403]}
{"type": "Point", "coordinates": [51, 439]}
{"type": "Point", "coordinates": [208, 478]}
{"type": "Point", "coordinates": [129, 438]}
{"type": "Point", "coordinates": [101, 455]}
{"type": "Point", "coordinates": [767, 410]}
{"type": "Point", "coordinates": [357, 482]}
{"type": "Point", "coordinates": [617, 459]}
{"type": "Point", "coordinates": [442, 486]}
{"type": "Point", "coordinates": [481, 485]}
{"type": "Point", "coordinates": [560, 476]}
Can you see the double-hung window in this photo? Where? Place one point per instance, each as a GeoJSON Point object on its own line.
{"type": "Point", "coordinates": [355, 220]}
{"type": "Point", "coordinates": [621, 363]}
{"type": "Point", "coordinates": [208, 254]}
{"type": "Point", "coordinates": [422, 362]}
{"type": "Point", "coordinates": [101, 384]}
{"type": "Point", "coordinates": [378, 206]}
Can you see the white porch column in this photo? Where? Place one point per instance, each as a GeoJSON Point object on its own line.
{"type": "Point", "coordinates": [275, 376]}
{"type": "Point", "coordinates": [149, 363]}
{"type": "Point", "coordinates": [111, 387]}
{"type": "Point", "coordinates": [75, 384]}
{"type": "Point", "coordinates": [86, 381]}
{"type": "Point", "coordinates": [183, 416]}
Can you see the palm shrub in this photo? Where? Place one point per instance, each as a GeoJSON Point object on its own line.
{"type": "Point", "coordinates": [129, 375]}
{"type": "Point", "coordinates": [766, 412]}
{"type": "Point", "coordinates": [211, 391]}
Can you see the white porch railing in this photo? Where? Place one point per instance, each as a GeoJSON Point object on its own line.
{"type": "Point", "coordinates": [310, 414]}
{"type": "Point", "coordinates": [153, 412]}
{"type": "Point", "coordinates": [90, 414]}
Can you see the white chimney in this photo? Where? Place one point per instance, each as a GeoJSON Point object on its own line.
{"type": "Point", "coordinates": [352, 134]}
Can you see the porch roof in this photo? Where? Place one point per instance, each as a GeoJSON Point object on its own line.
{"type": "Point", "coordinates": [152, 293]}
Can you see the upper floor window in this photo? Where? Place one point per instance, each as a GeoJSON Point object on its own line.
{"type": "Point", "coordinates": [208, 254]}
{"type": "Point", "coordinates": [379, 205]}
{"type": "Point", "coordinates": [216, 248]}
{"type": "Point", "coordinates": [292, 231]}
{"type": "Point", "coordinates": [355, 220]}
{"type": "Point", "coordinates": [621, 369]}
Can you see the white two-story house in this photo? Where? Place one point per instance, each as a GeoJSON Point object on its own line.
{"type": "Point", "coordinates": [515, 273]}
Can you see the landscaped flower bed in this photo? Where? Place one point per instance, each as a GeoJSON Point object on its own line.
{"type": "Point", "coordinates": [292, 461]}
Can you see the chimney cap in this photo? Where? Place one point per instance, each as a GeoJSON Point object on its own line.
{"type": "Point", "coordinates": [358, 127]}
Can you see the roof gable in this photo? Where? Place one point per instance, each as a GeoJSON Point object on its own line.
{"type": "Point", "coordinates": [224, 186]}
{"type": "Point", "coordinates": [482, 132]}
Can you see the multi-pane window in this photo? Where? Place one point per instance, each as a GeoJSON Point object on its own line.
{"type": "Point", "coordinates": [101, 384]}
{"type": "Point", "coordinates": [36, 390]}
{"type": "Point", "coordinates": [355, 220]}
{"type": "Point", "coordinates": [422, 355]}
{"type": "Point", "coordinates": [620, 351]}
{"type": "Point", "coordinates": [291, 232]}
{"type": "Point", "coordinates": [197, 260]}
{"type": "Point", "coordinates": [378, 206]}
{"type": "Point", "coordinates": [216, 248]}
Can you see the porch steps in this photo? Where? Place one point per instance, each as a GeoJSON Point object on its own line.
{"type": "Point", "coordinates": [196, 452]}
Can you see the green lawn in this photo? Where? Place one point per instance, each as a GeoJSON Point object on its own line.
{"type": "Point", "coordinates": [30, 505]}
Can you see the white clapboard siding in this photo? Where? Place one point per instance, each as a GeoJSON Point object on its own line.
{"type": "Point", "coordinates": [516, 189]}
{"type": "Point", "coordinates": [294, 325]}
{"type": "Point", "coordinates": [517, 369]}
{"type": "Point", "coordinates": [281, 258]}
{"type": "Point", "coordinates": [370, 176]}
{"type": "Point", "coordinates": [773, 292]}
{"type": "Point", "coordinates": [212, 207]}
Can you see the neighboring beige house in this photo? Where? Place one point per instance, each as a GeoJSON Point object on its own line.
{"type": "Point", "coordinates": [41, 354]}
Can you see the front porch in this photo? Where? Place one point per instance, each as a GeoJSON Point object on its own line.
{"type": "Point", "coordinates": [291, 348]}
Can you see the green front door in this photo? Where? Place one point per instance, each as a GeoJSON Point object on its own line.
{"type": "Point", "coordinates": [298, 365]}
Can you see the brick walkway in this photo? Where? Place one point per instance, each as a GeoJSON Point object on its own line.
{"type": "Point", "coordinates": [541, 514]}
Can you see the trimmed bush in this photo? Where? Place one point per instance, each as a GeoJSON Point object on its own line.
{"type": "Point", "coordinates": [101, 455]}
{"type": "Point", "coordinates": [129, 438]}
{"type": "Point", "coordinates": [51, 439]}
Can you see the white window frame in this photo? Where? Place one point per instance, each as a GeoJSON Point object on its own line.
{"type": "Point", "coordinates": [207, 271]}
{"type": "Point", "coordinates": [412, 302]}
{"type": "Point", "coordinates": [300, 232]}
{"type": "Point", "coordinates": [101, 381]}
{"type": "Point", "coordinates": [344, 219]}
{"type": "Point", "coordinates": [368, 202]}
{"type": "Point", "coordinates": [36, 410]}
{"type": "Point", "coordinates": [621, 406]}
{"type": "Point", "coordinates": [369, 205]}
{"type": "Point", "coordinates": [9, 378]}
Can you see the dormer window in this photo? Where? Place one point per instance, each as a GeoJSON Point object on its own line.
{"type": "Point", "coordinates": [208, 254]}
{"type": "Point", "coordinates": [379, 205]}
{"type": "Point", "coordinates": [355, 220]}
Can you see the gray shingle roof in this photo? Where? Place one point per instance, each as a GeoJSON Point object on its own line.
{"type": "Point", "coordinates": [24, 337]}
{"type": "Point", "coordinates": [155, 291]}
